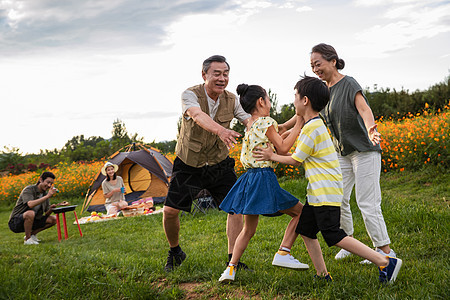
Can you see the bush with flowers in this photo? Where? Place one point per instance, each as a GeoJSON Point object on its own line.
{"type": "Point", "coordinates": [416, 140]}
{"type": "Point", "coordinates": [72, 180]}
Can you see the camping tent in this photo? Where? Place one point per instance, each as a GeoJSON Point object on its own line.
{"type": "Point", "coordinates": [145, 172]}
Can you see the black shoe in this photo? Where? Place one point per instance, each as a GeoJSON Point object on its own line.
{"type": "Point", "coordinates": [241, 266]}
{"type": "Point", "coordinates": [174, 260]}
{"type": "Point", "coordinates": [323, 278]}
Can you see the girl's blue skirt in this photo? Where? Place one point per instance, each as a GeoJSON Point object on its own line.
{"type": "Point", "coordinates": [257, 192]}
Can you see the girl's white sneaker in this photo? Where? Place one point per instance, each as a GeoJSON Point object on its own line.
{"type": "Point", "coordinates": [228, 275]}
{"type": "Point", "coordinates": [286, 260]}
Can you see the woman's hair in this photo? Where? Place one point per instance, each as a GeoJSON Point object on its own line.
{"type": "Point", "coordinates": [329, 53]}
{"type": "Point", "coordinates": [46, 175]}
{"type": "Point", "coordinates": [248, 95]}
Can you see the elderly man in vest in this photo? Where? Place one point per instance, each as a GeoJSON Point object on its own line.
{"type": "Point", "coordinates": [202, 160]}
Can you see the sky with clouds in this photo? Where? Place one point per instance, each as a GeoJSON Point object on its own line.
{"type": "Point", "coordinates": [72, 67]}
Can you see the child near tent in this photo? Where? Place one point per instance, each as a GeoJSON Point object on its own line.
{"type": "Point", "coordinates": [113, 189]}
{"type": "Point", "coordinates": [257, 191]}
{"type": "Point", "coordinates": [321, 211]}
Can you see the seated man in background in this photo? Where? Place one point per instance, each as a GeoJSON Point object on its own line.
{"type": "Point", "coordinates": [32, 211]}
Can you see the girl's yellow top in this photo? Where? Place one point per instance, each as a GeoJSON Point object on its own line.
{"type": "Point", "coordinates": [256, 137]}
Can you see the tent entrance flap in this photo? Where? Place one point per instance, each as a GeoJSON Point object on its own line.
{"type": "Point", "coordinates": [135, 177]}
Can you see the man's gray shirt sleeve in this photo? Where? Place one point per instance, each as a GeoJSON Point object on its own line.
{"type": "Point", "coordinates": [189, 99]}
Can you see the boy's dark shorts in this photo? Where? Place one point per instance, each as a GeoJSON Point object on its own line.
{"type": "Point", "coordinates": [325, 219]}
{"type": "Point", "coordinates": [187, 182]}
{"type": "Point", "coordinates": [16, 223]}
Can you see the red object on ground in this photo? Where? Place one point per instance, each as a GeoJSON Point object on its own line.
{"type": "Point", "coordinates": [62, 210]}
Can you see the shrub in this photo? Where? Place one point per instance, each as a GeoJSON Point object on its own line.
{"type": "Point", "coordinates": [416, 140]}
{"type": "Point", "coordinates": [31, 167]}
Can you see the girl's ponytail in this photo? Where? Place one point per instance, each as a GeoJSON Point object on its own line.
{"type": "Point", "coordinates": [248, 95]}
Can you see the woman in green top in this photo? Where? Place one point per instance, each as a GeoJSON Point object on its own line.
{"type": "Point", "coordinates": [357, 141]}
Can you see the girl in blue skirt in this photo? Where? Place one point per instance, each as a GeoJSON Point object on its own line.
{"type": "Point", "coordinates": [257, 191]}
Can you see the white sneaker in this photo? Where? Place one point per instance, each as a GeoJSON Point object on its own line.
{"type": "Point", "coordinates": [32, 237]}
{"type": "Point", "coordinates": [286, 260]}
{"type": "Point", "coordinates": [391, 254]}
{"type": "Point", "coordinates": [30, 241]}
{"type": "Point", "coordinates": [228, 275]}
{"type": "Point", "coordinates": [342, 254]}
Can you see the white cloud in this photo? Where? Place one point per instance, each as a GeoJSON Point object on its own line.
{"type": "Point", "coordinates": [107, 25]}
{"type": "Point", "coordinates": [370, 3]}
{"type": "Point", "coordinates": [304, 8]}
{"type": "Point", "coordinates": [256, 4]}
{"type": "Point", "coordinates": [79, 65]}
{"type": "Point", "coordinates": [411, 22]}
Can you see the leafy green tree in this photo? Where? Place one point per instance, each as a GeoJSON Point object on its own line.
{"type": "Point", "coordinates": [165, 146]}
{"type": "Point", "coordinates": [51, 157]}
{"type": "Point", "coordinates": [10, 159]}
{"type": "Point", "coordinates": [392, 103]}
{"type": "Point", "coordinates": [286, 113]}
{"type": "Point", "coordinates": [120, 137]}
{"type": "Point", "coordinates": [103, 149]}
{"type": "Point", "coordinates": [274, 104]}
{"type": "Point", "coordinates": [80, 149]}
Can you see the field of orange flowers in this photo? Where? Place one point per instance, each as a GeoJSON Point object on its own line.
{"type": "Point", "coordinates": [72, 180]}
{"type": "Point", "coordinates": [416, 140]}
{"type": "Point", "coordinates": [410, 143]}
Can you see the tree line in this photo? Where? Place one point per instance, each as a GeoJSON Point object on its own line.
{"type": "Point", "coordinates": [389, 103]}
{"type": "Point", "coordinates": [385, 103]}
{"type": "Point", "coordinates": [77, 149]}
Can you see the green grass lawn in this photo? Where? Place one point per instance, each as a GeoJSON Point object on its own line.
{"type": "Point", "coordinates": [124, 259]}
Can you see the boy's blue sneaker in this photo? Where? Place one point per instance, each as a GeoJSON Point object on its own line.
{"type": "Point", "coordinates": [390, 272]}
{"type": "Point", "coordinates": [391, 254]}
{"type": "Point", "coordinates": [327, 277]}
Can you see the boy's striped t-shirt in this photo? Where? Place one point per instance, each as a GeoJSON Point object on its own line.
{"type": "Point", "coordinates": [316, 151]}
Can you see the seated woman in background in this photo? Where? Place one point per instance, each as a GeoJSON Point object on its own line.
{"type": "Point", "coordinates": [113, 189]}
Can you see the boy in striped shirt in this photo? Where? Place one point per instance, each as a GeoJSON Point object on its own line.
{"type": "Point", "coordinates": [321, 211]}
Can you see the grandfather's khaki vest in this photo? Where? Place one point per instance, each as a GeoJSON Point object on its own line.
{"type": "Point", "coordinates": [197, 147]}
